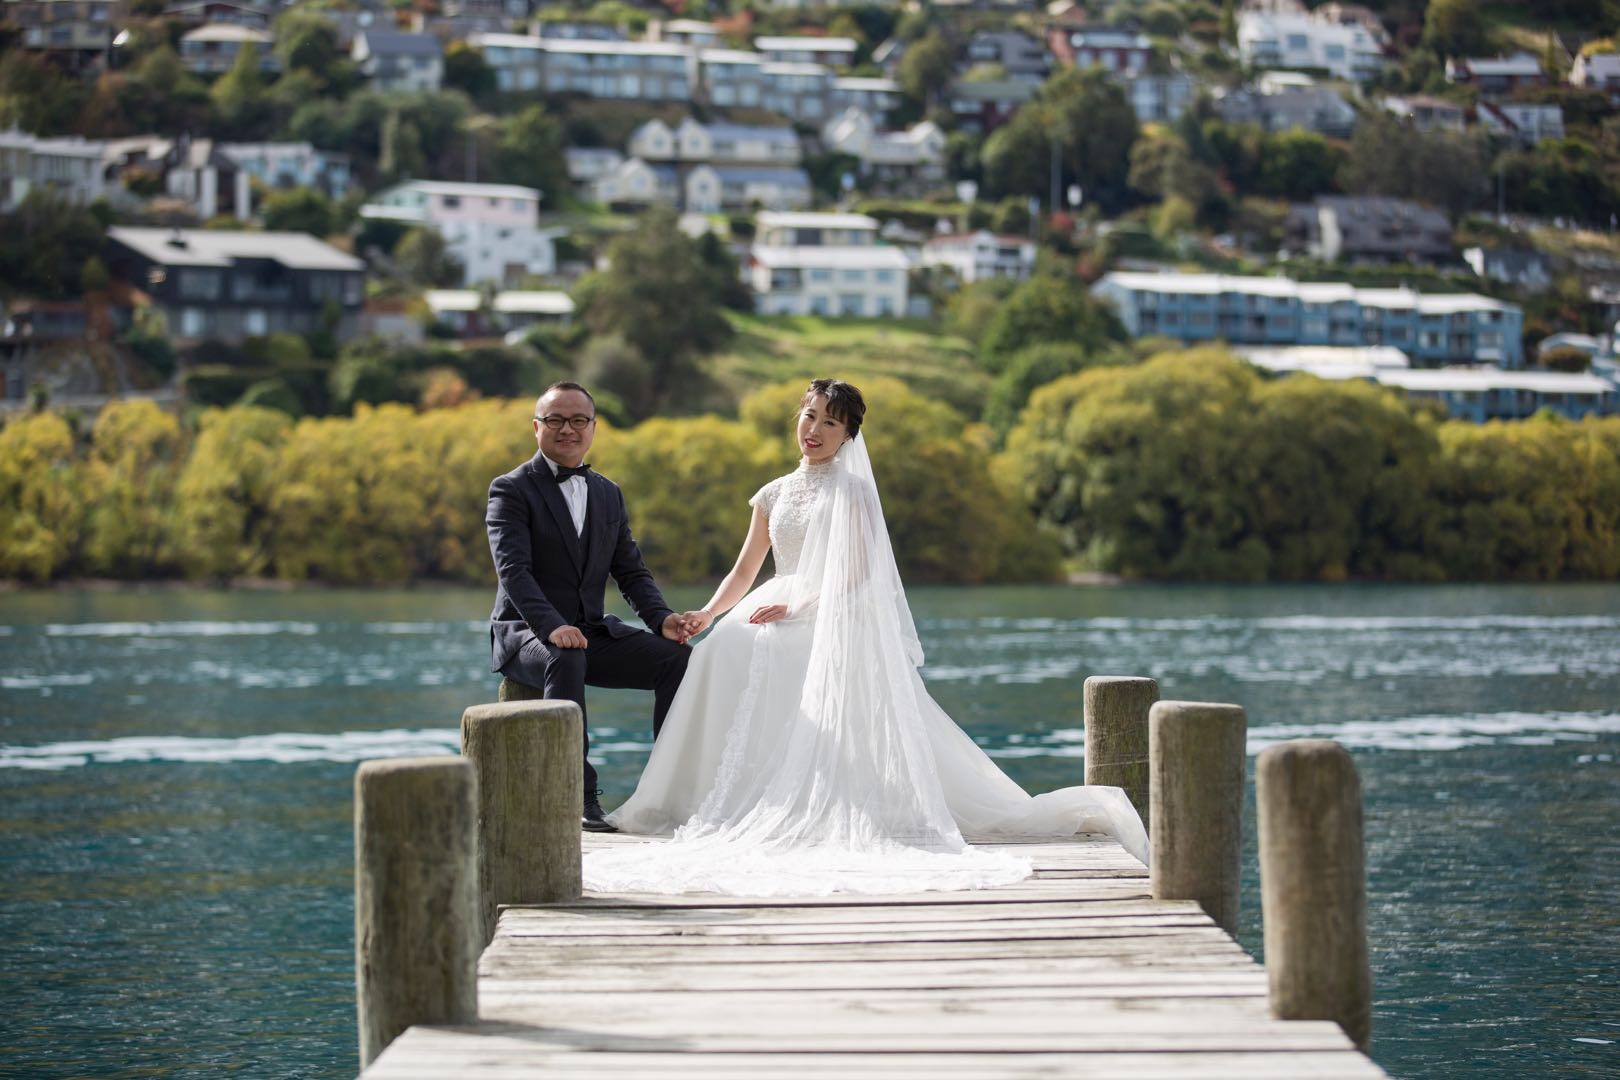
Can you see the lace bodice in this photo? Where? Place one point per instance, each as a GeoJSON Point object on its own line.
{"type": "Point", "coordinates": [788, 502]}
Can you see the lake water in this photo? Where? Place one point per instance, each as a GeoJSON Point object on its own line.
{"type": "Point", "coordinates": [176, 770]}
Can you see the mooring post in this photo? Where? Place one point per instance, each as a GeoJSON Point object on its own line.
{"type": "Point", "coordinates": [530, 794]}
{"type": "Point", "coordinates": [1313, 885]}
{"type": "Point", "coordinates": [1116, 719]}
{"type": "Point", "coordinates": [416, 915]}
{"type": "Point", "coordinates": [512, 690]}
{"type": "Point", "coordinates": [1196, 759]}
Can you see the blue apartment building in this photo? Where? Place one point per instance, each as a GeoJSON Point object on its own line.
{"type": "Point", "coordinates": [1433, 329]}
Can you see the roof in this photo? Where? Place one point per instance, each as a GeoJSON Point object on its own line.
{"type": "Point", "coordinates": [794, 69]}
{"type": "Point", "coordinates": [208, 247]}
{"type": "Point", "coordinates": [1332, 358]}
{"type": "Point", "coordinates": [995, 90]}
{"type": "Point", "coordinates": [690, 26]}
{"type": "Point", "coordinates": [464, 190]}
{"type": "Point", "coordinates": [786, 219]}
{"type": "Point", "coordinates": [1517, 64]}
{"type": "Point", "coordinates": [1602, 65]}
{"type": "Point", "coordinates": [805, 44]}
{"type": "Point", "coordinates": [396, 43]}
{"type": "Point", "coordinates": [1327, 292]}
{"type": "Point", "coordinates": [517, 302]}
{"type": "Point", "coordinates": [1481, 379]}
{"type": "Point", "coordinates": [228, 32]}
{"type": "Point", "coordinates": [856, 82]}
{"type": "Point", "coordinates": [831, 258]}
{"type": "Point", "coordinates": [1108, 38]}
{"type": "Point", "coordinates": [770, 133]}
{"type": "Point", "coordinates": [729, 56]}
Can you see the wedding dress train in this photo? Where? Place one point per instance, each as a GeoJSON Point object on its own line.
{"type": "Point", "coordinates": [805, 756]}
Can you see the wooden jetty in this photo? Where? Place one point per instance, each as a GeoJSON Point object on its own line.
{"type": "Point", "coordinates": [1077, 971]}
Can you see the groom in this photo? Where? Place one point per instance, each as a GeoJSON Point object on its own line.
{"type": "Point", "coordinates": [557, 530]}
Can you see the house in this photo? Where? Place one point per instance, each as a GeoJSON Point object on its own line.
{"type": "Point", "coordinates": [626, 70]}
{"type": "Point", "coordinates": [983, 106]}
{"type": "Point", "coordinates": [199, 173]}
{"type": "Point", "coordinates": [731, 77]}
{"type": "Point", "coordinates": [1160, 98]}
{"type": "Point", "coordinates": [215, 285]}
{"type": "Point", "coordinates": [633, 182]}
{"type": "Point", "coordinates": [492, 230]}
{"type": "Point", "coordinates": [78, 33]}
{"type": "Point", "coordinates": [691, 141]}
{"type": "Point", "coordinates": [1283, 37]}
{"type": "Point", "coordinates": [797, 91]}
{"type": "Point", "coordinates": [685, 32]}
{"type": "Point", "coordinates": [211, 49]}
{"type": "Point", "coordinates": [453, 28]}
{"type": "Point", "coordinates": [711, 188]}
{"type": "Point", "coordinates": [894, 159]}
{"type": "Point", "coordinates": [1123, 52]}
{"type": "Point", "coordinates": [399, 63]}
{"type": "Point", "coordinates": [1368, 229]}
{"type": "Point", "coordinates": [1019, 55]}
{"type": "Point", "coordinates": [588, 164]}
{"type": "Point", "coordinates": [73, 167]}
{"type": "Point", "coordinates": [1427, 113]}
{"type": "Point", "coordinates": [1432, 328]}
{"type": "Point", "coordinates": [831, 51]}
{"type": "Point", "coordinates": [876, 96]}
{"type": "Point", "coordinates": [704, 168]}
{"type": "Point", "coordinates": [1482, 394]}
{"type": "Point", "coordinates": [981, 256]}
{"type": "Point", "coordinates": [469, 313]}
{"type": "Point", "coordinates": [824, 264]}
{"type": "Point", "coordinates": [1497, 76]}
{"type": "Point", "coordinates": [1600, 71]}
{"type": "Point", "coordinates": [199, 12]}
{"type": "Point", "coordinates": [574, 30]}
{"type": "Point", "coordinates": [1313, 108]}
{"type": "Point", "coordinates": [1523, 268]}
{"type": "Point", "coordinates": [1525, 123]}
{"type": "Point", "coordinates": [888, 55]}
{"type": "Point", "coordinates": [283, 165]}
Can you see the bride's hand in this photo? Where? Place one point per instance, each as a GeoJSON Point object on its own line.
{"type": "Point", "coordinates": [697, 621]}
{"type": "Point", "coordinates": [768, 614]}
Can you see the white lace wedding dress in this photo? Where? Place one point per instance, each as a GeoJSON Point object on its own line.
{"type": "Point", "coordinates": [805, 757]}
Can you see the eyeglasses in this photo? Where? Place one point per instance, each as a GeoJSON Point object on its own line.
{"type": "Point", "coordinates": [578, 423]}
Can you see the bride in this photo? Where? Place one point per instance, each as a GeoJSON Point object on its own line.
{"type": "Point", "coordinates": [802, 754]}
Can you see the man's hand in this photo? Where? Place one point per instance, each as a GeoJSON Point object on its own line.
{"type": "Point", "coordinates": [675, 629]}
{"type": "Point", "coordinates": [567, 637]}
{"type": "Point", "coordinates": [768, 614]}
{"type": "Point", "coordinates": [698, 621]}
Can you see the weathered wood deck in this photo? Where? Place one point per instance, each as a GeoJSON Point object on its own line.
{"type": "Point", "coordinates": [1076, 972]}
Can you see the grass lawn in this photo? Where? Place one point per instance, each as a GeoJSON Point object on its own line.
{"type": "Point", "coordinates": [777, 348]}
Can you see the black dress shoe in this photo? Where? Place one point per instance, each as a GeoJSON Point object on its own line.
{"type": "Point", "coordinates": [593, 820]}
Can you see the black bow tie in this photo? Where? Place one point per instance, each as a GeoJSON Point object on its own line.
{"type": "Point", "coordinates": [566, 471]}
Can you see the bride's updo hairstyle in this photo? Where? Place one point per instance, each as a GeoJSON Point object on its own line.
{"type": "Point", "coordinates": [844, 402]}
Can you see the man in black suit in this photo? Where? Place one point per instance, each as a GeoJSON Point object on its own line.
{"type": "Point", "coordinates": [557, 530]}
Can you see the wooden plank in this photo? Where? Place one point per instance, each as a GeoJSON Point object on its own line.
{"type": "Point", "coordinates": [515, 917]}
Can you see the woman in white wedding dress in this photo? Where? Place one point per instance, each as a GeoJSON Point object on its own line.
{"type": "Point", "coordinates": [802, 754]}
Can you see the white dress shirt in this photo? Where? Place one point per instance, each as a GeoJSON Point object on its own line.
{"type": "Point", "coordinates": [574, 493]}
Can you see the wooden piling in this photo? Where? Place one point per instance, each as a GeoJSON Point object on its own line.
{"type": "Point", "coordinates": [416, 916]}
{"type": "Point", "coordinates": [1313, 885]}
{"type": "Point", "coordinates": [1196, 761]}
{"type": "Point", "coordinates": [1116, 719]}
{"type": "Point", "coordinates": [530, 795]}
{"type": "Point", "coordinates": [512, 690]}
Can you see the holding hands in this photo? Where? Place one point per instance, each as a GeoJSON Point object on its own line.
{"type": "Point", "coordinates": [681, 628]}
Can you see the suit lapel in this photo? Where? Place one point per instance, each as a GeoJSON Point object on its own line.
{"type": "Point", "coordinates": [551, 495]}
{"type": "Point", "coordinates": [596, 521]}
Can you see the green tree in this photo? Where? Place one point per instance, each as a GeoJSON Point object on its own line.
{"type": "Point", "coordinates": [465, 70]}
{"type": "Point", "coordinates": [240, 107]}
{"type": "Point", "coordinates": [424, 259]}
{"type": "Point", "coordinates": [1299, 165]}
{"type": "Point", "coordinates": [926, 68]}
{"type": "Point", "coordinates": [401, 156]}
{"type": "Point", "coordinates": [1082, 116]}
{"type": "Point", "coordinates": [662, 297]}
{"type": "Point", "coordinates": [299, 209]}
{"type": "Point", "coordinates": [530, 151]}
{"type": "Point", "coordinates": [1027, 371]}
{"type": "Point", "coordinates": [41, 509]}
{"type": "Point", "coordinates": [307, 42]}
{"type": "Point", "coordinates": [1387, 157]}
{"type": "Point", "coordinates": [48, 243]}
{"type": "Point", "coordinates": [1455, 27]}
{"type": "Point", "coordinates": [1048, 308]}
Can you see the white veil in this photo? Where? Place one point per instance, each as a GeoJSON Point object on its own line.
{"type": "Point", "coordinates": [839, 772]}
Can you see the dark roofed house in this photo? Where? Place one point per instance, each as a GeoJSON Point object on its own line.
{"type": "Point", "coordinates": [398, 61]}
{"type": "Point", "coordinates": [1497, 76]}
{"type": "Point", "coordinates": [214, 285]}
{"type": "Point", "coordinates": [1020, 55]}
{"type": "Point", "coordinates": [1369, 229]}
{"type": "Point", "coordinates": [985, 106]}
{"type": "Point", "coordinates": [1313, 108]}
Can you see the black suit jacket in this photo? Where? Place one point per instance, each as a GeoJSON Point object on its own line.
{"type": "Point", "coordinates": [548, 576]}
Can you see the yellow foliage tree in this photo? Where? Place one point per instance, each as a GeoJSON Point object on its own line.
{"type": "Point", "coordinates": [135, 457]}
{"type": "Point", "coordinates": [41, 511]}
{"type": "Point", "coordinates": [222, 508]}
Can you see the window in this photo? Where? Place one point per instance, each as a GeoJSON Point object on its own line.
{"type": "Point", "coordinates": [451, 202]}
{"type": "Point", "coordinates": [1298, 42]}
{"type": "Point", "coordinates": [255, 323]}
{"type": "Point", "coordinates": [883, 277]}
{"type": "Point", "coordinates": [821, 276]}
{"type": "Point", "coordinates": [191, 322]}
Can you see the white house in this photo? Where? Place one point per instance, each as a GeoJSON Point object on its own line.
{"type": "Point", "coordinates": [1299, 39]}
{"type": "Point", "coordinates": [915, 155]}
{"type": "Point", "coordinates": [492, 230]}
{"type": "Point", "coordinates": [1523, 122]}
{"type": "Point", "coordinates": [399, 62]}
{"type": "Point", "coordinates": [832, 51]}
{"type": "Point", "coordinates": [291, 164]}
{"type": "Point", "coordinates": [692, 141]}
{"type": "Point", "coordinates": [588, 164]}
{"type": "Point", "coordinates": [825, 264]}
{"type": "Point", "coordinates": [1600, 71]}
{"type": "Point", "coordinates": [73, 167]}
{"type": "Point", "coordinates": [469, 313]}
{"type": "Point", "coordinates": [212, 49]}
{"type": "Point", "coordinates": [981, 256]}
{"type": "Point", "coordinates": [633, 182]}
{"type": "Point", "coordinates": [627, 70]}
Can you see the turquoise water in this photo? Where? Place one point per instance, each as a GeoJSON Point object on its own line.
{"type": "Point", "coordinates": [176, 766]}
